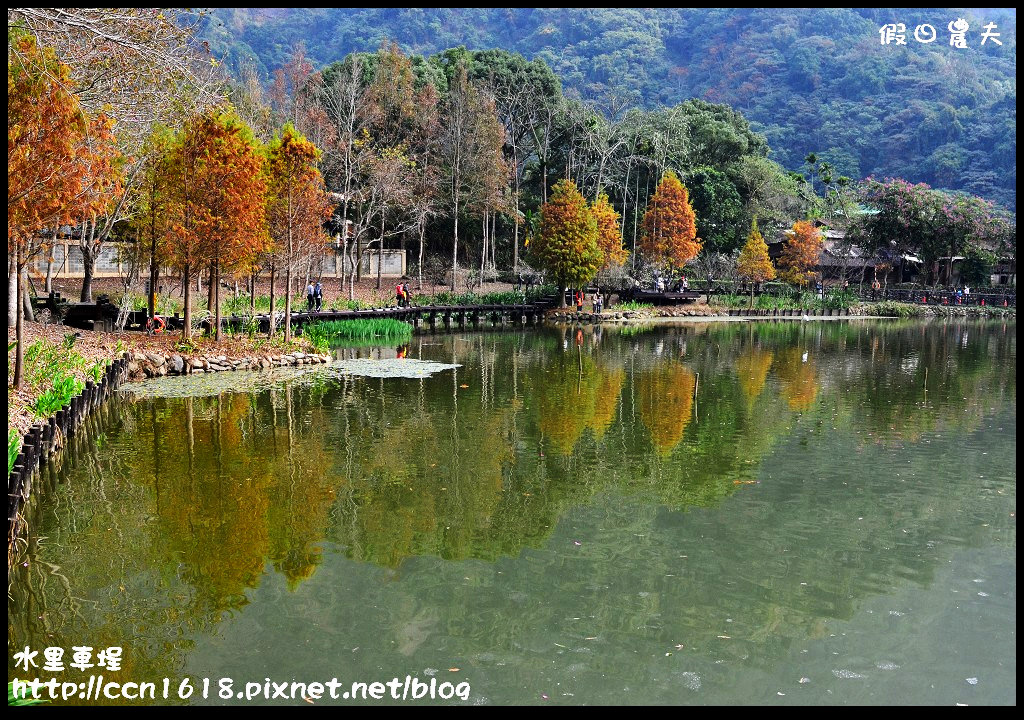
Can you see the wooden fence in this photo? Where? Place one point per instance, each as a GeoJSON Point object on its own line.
{"type": "Point", "coordinates": [43, 440]}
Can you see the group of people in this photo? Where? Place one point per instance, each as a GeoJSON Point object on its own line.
{"type": "Point", "coordinates": [314, 297]}
{"type": "Point", "coordinates": [598, 300]}
{"type": "Point", "coordinates": [660, 284]}
{"type": "Point", "coordinates": [402, 296]}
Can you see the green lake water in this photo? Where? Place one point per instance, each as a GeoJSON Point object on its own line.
{"type": "Point", "coordinates": [717, 513]}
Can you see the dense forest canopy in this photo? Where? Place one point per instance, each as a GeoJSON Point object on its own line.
{"type": "Point", "coordinates": [816, 80]}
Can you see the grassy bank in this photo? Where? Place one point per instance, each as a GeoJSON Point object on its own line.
{"type": "Point", "coordinates": [54, 373]}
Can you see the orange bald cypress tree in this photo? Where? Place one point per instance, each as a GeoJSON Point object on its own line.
{"type": "Point", "coordinates": [800, 255]}
{"type": "Point", "coordinates": [216, 203]}
{"type": "Point", "coordinates": [297, 203]}
{"type": "Point", "coordinates": [754, 264]}
{"type": "Point", "coordinates": [566, 245]}
{"type": "Point", "coordinates": [609, 237]}
{"type": "Point", "coordinates": [61, 166]}
{"type": "Point", "coordinates": [670, 225]}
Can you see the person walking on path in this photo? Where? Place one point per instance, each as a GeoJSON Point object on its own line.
{"type": "Point", "coordinates": [318, 297]}
{"type": "Point", "coordinates": [310, 296]}
{"type": "Point", "coordinates": [399, 295]}
{"type": "Point", "coordinates": [406, 297]}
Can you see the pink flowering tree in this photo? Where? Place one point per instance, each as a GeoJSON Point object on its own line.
{"type": "Point", "coordinates": [906, 219]}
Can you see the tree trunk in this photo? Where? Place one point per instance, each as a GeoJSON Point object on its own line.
{"type": "Point", "coordinates": [494, 241]}
{"type": "Point", "coordinates": [636, 210]}
{"type": "Point", "coordinates": [288, 303]}
{"type": "Point", "coordinates": [288, 277]}
{"type": "Point", "coordinates": [352, 257]}
{"type": "Point", "coordinates": [252, 293]}
{"type": "Point", "coordinates": [49, 274]}
{"type": "Point", "coordinates": [12, 290]}
{"type": "Point", "coordinates": [19, 330]}
{"type": "Point", "coordinates": [515, 233]}
{"type": "Point", "coordinates": [423, 229]}
{"type": "Point", "coordinates": [625, 199]}
{"type": "Point", "coordinates": [88, 266]}
{"type": "Point", "coordinates": [270, 330]}
{"type": "Point", "coordinates": [544, 176]}
{"type": "Point", "coordinates": [154, 268]}
{"type": "Point", "coordinates": [358, 269]}
{"type": "Point", "coordinates": [210, 290]}
{"type": "Point", "coordinates": [26, 295]}
{"type": "Point", "coordinates": [380, 251]}
{"type": "Point", "coordinates": [216, 302]}
{"type": "Point", "coordinates": [483, 249]}
{"type": "Point", "coordinates": [455, 245]}
{"type": "Point", "coordinates": [185, 281]}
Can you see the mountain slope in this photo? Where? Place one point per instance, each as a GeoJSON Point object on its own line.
{"type": "Point", "coordinates": [810, 80]}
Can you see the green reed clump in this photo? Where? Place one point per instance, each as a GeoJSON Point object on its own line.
{"type": "Point", "coordinates": [633, 305]}
{"type": "Point", "coordinates": [507, 297]}
{"type": "Point", "coordinates": [325, 333]}
{"type": "Point", "coordinates": [889, 308]}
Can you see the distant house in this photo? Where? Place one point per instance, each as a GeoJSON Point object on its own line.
{"type": "Point", "coordinates": [1005, 272]}
{"type": "Point", "coordinates": [840, 260]}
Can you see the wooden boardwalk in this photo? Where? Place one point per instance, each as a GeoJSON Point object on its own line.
{"type": "Point", "coordinates": [427, 316]}
{"type": "Point", "coordinates": [101, 315]}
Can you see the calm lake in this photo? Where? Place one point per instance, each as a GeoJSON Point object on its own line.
{"type": "Point", "coordinates": [717, 513]}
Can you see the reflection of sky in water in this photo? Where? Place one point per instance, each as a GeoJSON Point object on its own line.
{"type": "Point", "coordinates": [594, 526]}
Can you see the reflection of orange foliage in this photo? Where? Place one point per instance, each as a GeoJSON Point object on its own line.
{"type": "Point", "coordinates": [221, 541]}
{"type": "Point", "coordinates": [391, 522]}
{"type": "Point", "coordinates": [798, 378]}
{"type": "Point", "coordinates": [232, 409]}
{"type": "Point", "coordinates": [752, 368]}
{"type": "Point", "coordinates": [666, 402]}
{"type": "Point", "coordinates": [573, 402]}
{"type": "Point", "coordinates": [408, 505]}
{"type": "Point", "coordinates": [562, 425]}
{"type": "Point", "coordinates": [606, 400]}
{"type": "Point", "coordinates": [298, 519]}
{"type": "Point", "coordinates": [567, 404]}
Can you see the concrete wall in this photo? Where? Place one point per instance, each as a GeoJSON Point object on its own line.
{"type": "Point", "coordinates": [67, 262]}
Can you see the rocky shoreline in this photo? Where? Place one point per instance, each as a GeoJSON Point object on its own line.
{"type": "Point", "coordinates": [143, 365]}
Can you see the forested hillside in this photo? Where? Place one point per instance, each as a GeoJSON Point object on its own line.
{"type": "Point", "coordinates": [810, 81]}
